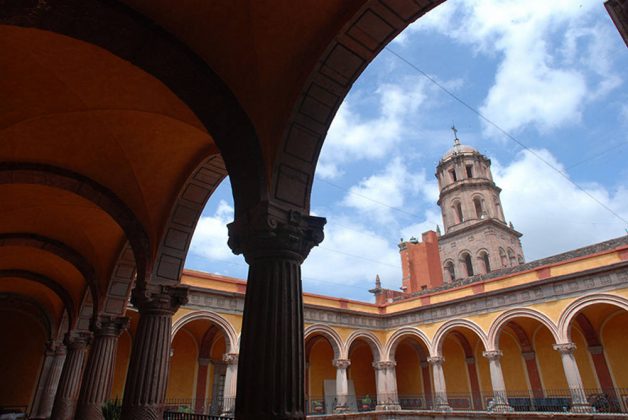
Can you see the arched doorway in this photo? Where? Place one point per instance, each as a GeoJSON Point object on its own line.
{"type": "Point", "coordinates": [320, 375]}
{"type": "Point", "coordinates": [363, 353]}
{"type": "Point", "coordinates": [414, 381]}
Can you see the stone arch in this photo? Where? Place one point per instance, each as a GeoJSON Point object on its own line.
{"type": "Point", "coordinates": [51, 284]}
{"type": "Point", "coordinates": [484, 257]}
{"type": "Point", "coordinates": [54, 177]}
{"type": "Point", "coordinates": [370, 338]}
{"type": "Point", "coordinates": [329, 333]}
{"type": "Point", "coordinates": [512, 260]}
{"type": "Point", "coordinates": [11, 301]}
{"type": "Point", "coordinates": [230, 332]}
{"type": "Point", "coordinates": [456, 206]}
{"type": "Point", "coordinates": [566, 318]}
{"type": "Point", "coordinates": [333, 72]}
{"type": "Point", "coordinates": [399, 335]}
{"type": "Point", "coordinates": [506, 317]}
{"type": "Point", "coordinates": [64, 252]}
{"type": "Point", "coordinates": [450, 268]}
{"type": "Point", "coordinates": [441, 333]}
{"type": "Point", "coordinates": [479, 206]}
{"type": "Point", "coordinates": [466, 261]}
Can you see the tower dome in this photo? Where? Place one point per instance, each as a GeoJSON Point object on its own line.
{"type": "Point", "coordinates": [459, 149]}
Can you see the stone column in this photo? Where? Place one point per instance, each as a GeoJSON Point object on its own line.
{"type": "Point", "coordinates": [427, 383]}
{"type": "Point", "coordinates": [533, 373]}
{"type": "Point", "coordinates": [98, 377]}
{"type": "Point", "coordinates": [342, 385]}
{"type": "Point", "coordinates": [500, 399]}
{"type": "Point", "coordinates": [55, 356]}
{"type": "Point", "coordinates": [147, 376]}
{"type": "Point", "coordinates": [231, 383]}
{"type": "Point", "coordinates": [201, 385]}
{"type": "Point", "coordinates": [70, 381]}
{"type": "Point", "coordinates": [440, 390]}
{"type": "Point", "coordinates": [274, 241]}
{"type": "Point", "coordinates": [579, 403]}
{"type": "Point", "coordinates": [386, 381]}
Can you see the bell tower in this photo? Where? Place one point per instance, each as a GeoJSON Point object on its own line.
{"type": "Point", "coordinates": [477, 238]}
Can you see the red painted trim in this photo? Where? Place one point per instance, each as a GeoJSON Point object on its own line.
{"type": "Point", "coordinates": [425, 300]}
{"type": "Point", "coordinates": [544, 273]}
{"type": "Point", "coordinates": [201, 388]}
{"type": "Point", "coordinates": [602, 371]}
{"type": "Point", "coordinates": [534, 377]}
{"type": "Point", "coordinates": [475, 386]}
{"type": "Point", "coordinates": [477, 288]}
{"type": "Point", "coordinates": [623, 254]}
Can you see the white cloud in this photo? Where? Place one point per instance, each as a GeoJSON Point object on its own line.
{"type": "Point", "coordinates": [379, 195]}
{"type": "Point", "coordinates": [353, 137]}
{"type": "Point", "coordinates": [211, 235]}
{"type": "Point", "coordinates": [545, 76]}
{"type": "Point", "coordinates": [552, 213]}
{"type": "Point", "coordinates": [351, 256]}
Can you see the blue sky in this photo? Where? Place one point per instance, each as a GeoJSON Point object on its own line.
{"type": "Point", "coordinates": [552, 74]}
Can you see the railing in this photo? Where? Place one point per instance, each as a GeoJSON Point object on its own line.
{"type": "Point", "coordinates": [613, 400]}
{"type": "Point", "coordinates": [188, 408]}
{"type": "Point", "coordinates": [170, 415]}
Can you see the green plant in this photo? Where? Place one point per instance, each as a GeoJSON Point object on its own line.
{"type": "Point", "coordinates": [112, 410]}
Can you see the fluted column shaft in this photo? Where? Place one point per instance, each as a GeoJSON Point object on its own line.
{"type": "Point", "coordinates": [55, 355]}
{"type": "Point", "coordinates": [71, 375]}
{"type": "Point", "coordinates": [231, 383]}
{"type": "Point", "coordinates": [579, 401]}
{"type": "Point", "coordinates": [271, 373]}
{"type": "Point", "coordinates": [98, 376]}
{"type": "Point", "coordinates": [500, 399]}
{"type": "Point", "coordinates": [342, 384]}
{"type": "Point", "coordinates": [147, 376]}
{"type": "Point", "coordinates": [440, 390]}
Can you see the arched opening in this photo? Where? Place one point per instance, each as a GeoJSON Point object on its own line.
{"type": "Point", "coordinates": [479, 207]}
{"type": "Point", "coordinates": [511, 257]}
{"type": "Point", "coordinates": [485, 261]}
{"type": "Point", "coordinates": [450, 271]}
{"type": "Point", "coordinates": [463, 367]}
{"type": "Point", "coordinates": [362, 373]}
{"type": "Point", "coordinates": [458, 212]}
{"type": "Point", "coordinates": [467, 264]}
{"type": "Point", "coordinates": [320, 375]}
{"type": "Point", "coordinates": [414, 383]}
{"type": "Point", "coordinates": [503, 258]}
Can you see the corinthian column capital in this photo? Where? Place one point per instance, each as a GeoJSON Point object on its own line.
{"type": "Point", "coordinates": [493, 354]}
{"type": "Point", "coordinates": [341, 363]}
{"type": "Point", "coordinates": [436, 360]}
{"type": "Point", "coordinates": [269, 230]}
{"type": "Point", "coordinates": [110, 326]}
{"type": "Point", "coordinates": [159, 299]}
{"type": "Point", "coordinates": [230, 358]}
{"type": "Point", "coordinates": [385, 364]}
{"type": "Point", "coordinates": [565, 348]}
{"type": "Point", "coordinates": [77, 340]}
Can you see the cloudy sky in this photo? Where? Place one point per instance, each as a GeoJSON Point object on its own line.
{"type": "Point", "coordinates": [550, 74]}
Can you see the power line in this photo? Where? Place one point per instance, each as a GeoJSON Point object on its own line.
{"type": "Point", "coordinates": [597, 155]}
{"type": "Point", "coordinates": [505, 133]}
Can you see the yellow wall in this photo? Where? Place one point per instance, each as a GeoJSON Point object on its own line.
{"type": "Point", "coordinates": [361, 370]}
{"type": "Point", "coordinates": [408, 370]}
{"type": "Point", "coordinates": [548, 361]}
{"type": "Point", "coordinates": [321, 356]}
{"type": "Point", "coordinates": [21, 357]}
{"type": "Point", "coordinates": [455, 367]}
{"type": "Point", "coordinates": [484, 374]}
{"type": "Point", "coordinates": [615, 342]}
{"type": "Point", "coordinates": [123, 355]}
{"type": "Point", "coordinates": [513, 366]}
{"type": "Point", "coordinates": [583, 359]}
{"type": "Point", "coordinates": [182, 374]}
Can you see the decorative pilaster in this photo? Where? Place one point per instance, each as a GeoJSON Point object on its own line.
{"type": "Point", "coordinates": [342, 385]}
{"type": "Point", "coordinates": [70, 381]}
{"type": "Point", "coordinates": [231, 383]}
{"type": "Point", "coordinates": [500, 399]}
{"type": "Point", "coordinates": [55, 356]}
{"type": "Point", "coordinates": [533, 373]}
{"type": "Point", "coordinates": [440, 390]}
{"type": "Point", "coordinates": [98, 377]}
{"type": "Point", "coordinates": [427, 383]}
{"type": "Point", "coordinates": [274, 241]}
{"type": "Point", "coordinates": [201, 385]}
{"type": "Point", "coordinates": [386, 381]}
{"type": "Point", "coordinates": [579, 403]}
{"type": "Point", "coordinates": [147, 375]}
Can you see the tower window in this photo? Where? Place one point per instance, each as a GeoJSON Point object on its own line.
{"type": "Point", "coordinates": [479, 212]}
{"type": "Point", "coordinates": [485, 260]}
{"type": "Point", "coordinates": [511, 257]}
{"type": "Point", "coordinates": [459, 215]}
{"type": "Point", "coordinates": [452, 172]}
{"type": "Point", "coordinates": [503, 258]}
{"type": "Point", "coordinates": [466, 259]}
{"type": "Point", "coordinates": [469, 171]}
{"type": "Point", "coordinates": [449, 269]}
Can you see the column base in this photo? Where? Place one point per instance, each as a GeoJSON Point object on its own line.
{"type": "Point", "coordinates": [387, 407]}
{"type": "Point", "coordinates": [502, 408]}
{"type": "Point", "coordinates": [581, 408]}
{"type": "Point", "coordinates": [340, 409]}
{"type": "Point", "coordinates": [443, 407]}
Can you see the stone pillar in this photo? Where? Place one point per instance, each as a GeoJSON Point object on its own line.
{"type": "Point", "coordinates": [53, 366]}
{"type": "Point", "coordinates": [98, 377]}
{"type": "Point", "coordinates": [440, 390]}
{"type": "Point", "coordinates": [70, 381]}
{"type": "Point", "coordinates": [342, 385]}
{"type": "Point", "coordinates": [201, 385]}
{"type": "Point", "coordinates": [579, 403]}
{"type": "Point", "coordinates": [147, 376]}
{"type": "Point", "coordinates": [274, 241]}
{"type": "Point", "coordinates": [533, 373]}
{"type": "Point", "coordinates": [386, 381]}
{"type": "Point", "coordinates": [231, 383]}
{"type": "Point", "coordinates": [427, 383]}
{"type": "Point", "coordinates": [500, 398]}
